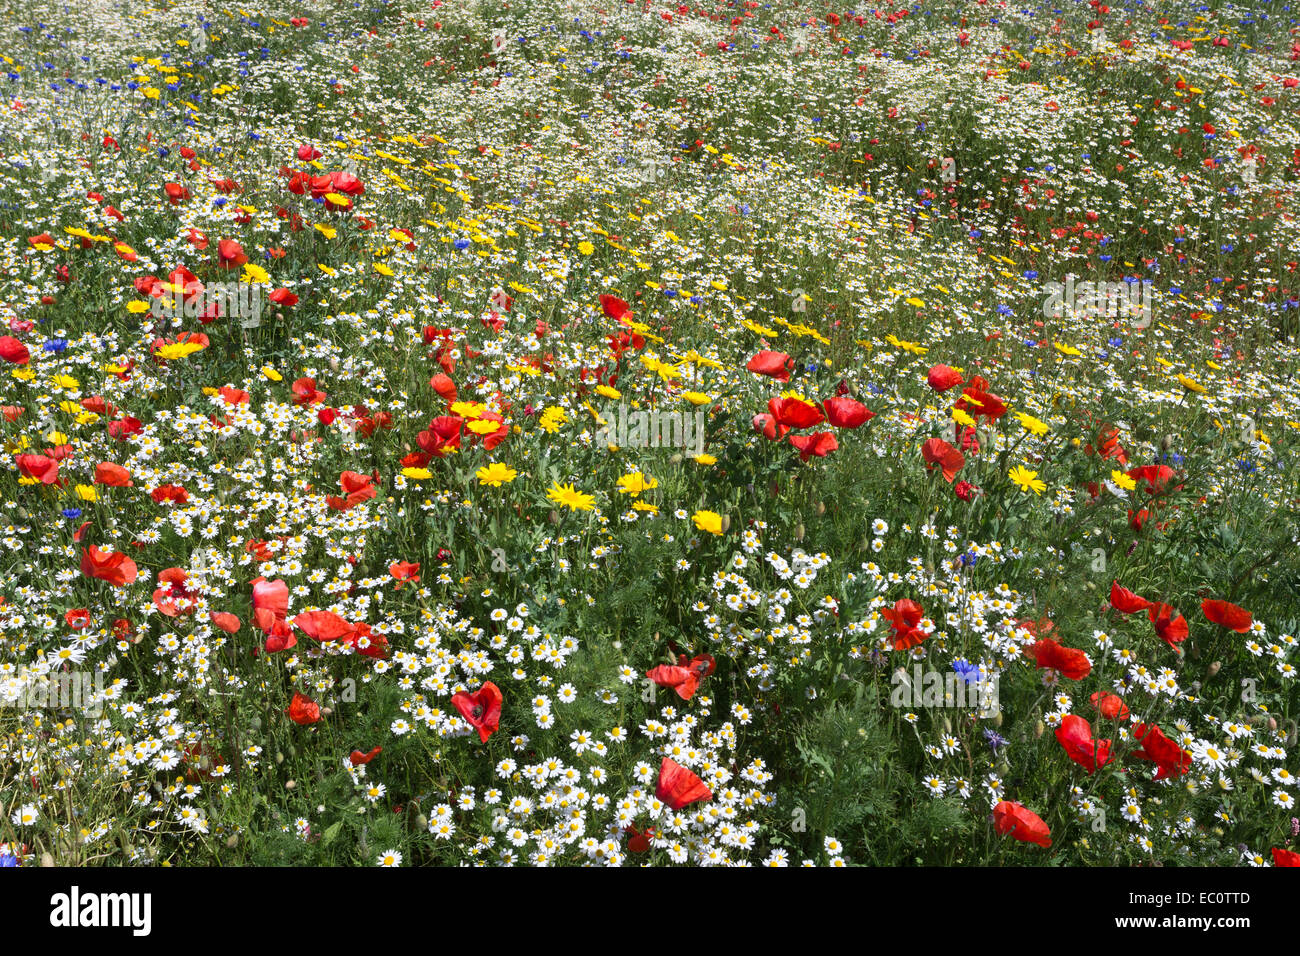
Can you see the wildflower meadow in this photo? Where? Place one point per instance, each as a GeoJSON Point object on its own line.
{"type": "Point", "coordinates": [617, 433]}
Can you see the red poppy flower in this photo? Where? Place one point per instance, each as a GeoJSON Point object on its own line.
{"type": "Point", "coordinates": [1228, 615]}
{"type": "Point", "coordinates": [174, 590]}
{"type": "Point", "coordinates": [904, 617]}
{"type": "Point", "coordinates": [820, 444]}
{"type": "Point", "coordinates": [198, 240]}
{"type": "Point", "coordinates": [942, 377]}
{"type": "Point", "coordinates": [1170, 759]}
{"type": "Point", "coordinates": [357, 758]}
{"type": "Point", "coordinates": [283, 297]}
{"type": "Point", "coordinates": [794, 412]}
{"type": "Point", "coordinates": [767, 426]}
{"type": "Point", "coordinates": [639, 842]}
{"type": "Point", "coordinates": [303, 710]}
{"type": "Point", "coordinates": [306, 392]}
{"type": "Point", "coordinates": [482, 709]}
{"type": "Point", "coordinates": [270, 602]}
{"type": "Point", "coordinates": [115, 567]}
{"type": "Point", "coordinates": [977, 402]}
{"type": "Point", "coordinates": [1075, 735]}
{"type": "Point", "coordinates": [114, 476]}
{"type": "Point", "coordinates": [1285, 857]}
{"type": "Point", "coordinates": [443, 435]}
{"type": "Point", "coordinates": [1022, 824]}
{"type": "Point", "coordinates": [1171, 627]}
{"type": "Point", "coordinates": [614, 307]}
{"type": "Point", "coordinates": [444, 386]}
{"type": "Point", "coordinates": [1110, 706]}
{"type": "Point", "coordinates": [227, 622]}
{"type": "Point", "coordinates": [42, 467]}
{"type": "Point", "coordinates": [173, 493]}
{"type": "Point", "coordinates": [77, 618]}
{"type": "Point", "coordinates": [11, 350]}
{"type": "Point", "coordinates": [678, 787]}
{"type": "Point", "coordinates": [176, 193]}
{"type": "Point", "coordinates": [682, 677]}
{"type": "Point", "coordinates": [230, 254]}
{"type": "Point", "coordinates": [1156, 476]}
{"type": "Point", "coordinates": [307, 152]}
{"type": "Point", "coordinates": [1125, 601]}
{"type": "Point", "coordinates": [404, 571]}
{"type": "Point", "coordinates": [776, 365]}
{"type": "Point", "coordinates": [938, 452]}
{"type": "Point", "coordinates": [847, 413]}
{"type": "Point", "coordinates": [323, 626]}
{"type": "Point", "coordinates": [1070, 661]}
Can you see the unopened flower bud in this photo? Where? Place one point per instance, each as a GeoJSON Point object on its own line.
{"type": "Point", "coordinates": [1213, 668]}
{"type": "Point", "coordinates": [1038, 728]}
{"type": "Point", "coordinates": [290, 784]}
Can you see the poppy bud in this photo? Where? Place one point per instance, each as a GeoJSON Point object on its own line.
{"type": "Point", "coordinates": [821, 508]}
{"type": "Point", "coordinates": [1272, 723]}
{"type": "Point", "coordinates": [233, 841]}
{"type": "Point", "coordinates": [1195, 652]}
{"type": "Point", "coordinates": [798, 531]}
{"type": "Point", "coordinates": [291, 750]}
{"type": "Point", "coordinates": [553, 517]}
{"type": "Point", "coordinates": [279, 758]}
{"type": "Point", "coordinates": [1038, 728]}
{"type": "Point", "coordinates": [422, 822]}
{"type": "Point", "coordinates": [946, 724]}
{"type": "Point", "coordinates": [255, 723]}
{"type": "Point", "coordinates": [675, 459]}
{"type": "Point", "coordinates": [326, 711]}
{"type": "Point", "coordinates": [726, 523]}
{"type": "Point", "coordinates": [1167, 443]}
{"type": "Point", "coordinates": [290, 784]}
{"type": "Point", "coordinates": [997, 719]}
{"type": "Point", "coordinates": [47, 859]}
{"type": "Point", "coordinates": [1213, 669]}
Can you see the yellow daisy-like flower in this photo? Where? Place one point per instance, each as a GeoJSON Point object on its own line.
{"type": "Point", "coordinates": [696, 398]}
{"type": "Point", "coordinates": [709, 521]}
{"type": "Point", "coordinates": [569, 497]}
{"type": "Point", "coordinates": [552, 419]}
{"type": "Point", "coordinates": [586, 248]}
{"type": "Point", "coordinates": [1031, 423]}
{"type": "Point", "coordinates": [178, 350]}
{"type": "Point", "coordinates": [646, 507]}
{"type": "Point", "coordinates": [483, 426]}
{"type": "Point", "coordinates": [272, 374]}
{"type": "Point", "coordinates": [635, 483]}
{"type": "Point", "coordinates": [961, 418]}
{"type": "Point", "coordinates": [468, 409]}
{"type": "Point", "coordinates": [706, 459]}
{"type": "Point", "coordinates": [1122, 480]}
{"type": "Point", "coordinates": [1066, 349]}
{"type": "Point", "coordinates": [496, 475]}
{"type": "Point", "coordinates": [419, 474]}
{"type": "Point", "coordinates": [1191, 385]}
{"type": "Point", "coordinates": [87, 493]}
{"type": "Point", "coordinates": [606, 391]}
{"type": "Point", "coordinates": [1027, 479]}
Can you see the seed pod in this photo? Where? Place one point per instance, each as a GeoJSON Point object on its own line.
{"type": "Point", "coordinates": [1213, 668]}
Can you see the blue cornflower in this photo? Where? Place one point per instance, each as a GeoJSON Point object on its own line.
{"type": "Point", "coordinates": [55, 345]}
{"type": "Point", "coordinates": [995, 739]}
{"type": "Point", "coordinates": [969, 672]}
{"type": "Point", "coordinates": [461, 243]}
{"type": "Point", "coordinates": [72, 513]}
